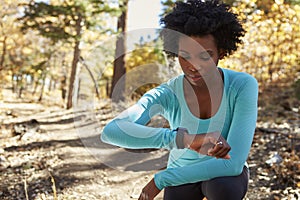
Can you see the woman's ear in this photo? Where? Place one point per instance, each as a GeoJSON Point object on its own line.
{"type": "Point", "coordinates": [222, 54]}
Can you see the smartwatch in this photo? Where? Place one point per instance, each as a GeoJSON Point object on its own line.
{"type": "Point", "coordinates": [179, 137]}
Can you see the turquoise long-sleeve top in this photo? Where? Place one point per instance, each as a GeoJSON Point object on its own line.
{"type": "Point", "coordinates": [235, 120]}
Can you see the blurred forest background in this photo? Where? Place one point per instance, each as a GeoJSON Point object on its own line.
{"type": "Point", "coordinates": [43, 45]}
{"type": "Point", "coordinates": [66, 53]}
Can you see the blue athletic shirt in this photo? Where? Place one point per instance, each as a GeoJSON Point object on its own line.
{"type": "Point", "coordinates": [235, 120]}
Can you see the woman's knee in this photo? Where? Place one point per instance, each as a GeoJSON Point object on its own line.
{"type": "Point", "coordinates": [187, 191]}
{"type": "Point", "coordinates": [233, 188]}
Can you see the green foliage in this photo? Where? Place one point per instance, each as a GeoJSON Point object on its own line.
{"type": "Point", "coordinates": [293, 2]}
{"type": "Point", "coordinates": [148, 52]}
{"type": "Point", "coordinates": [168, 5]}
{"type": "Point", "coordinates": [59, 21]}
{"type": "Point", "coordinates": [63, 21]}
{"type": "Point", "coordinates": [44, 18]}
{"type": "Point", "coordinates": [229, 2]}
{"type": "Point", "coordinates": [143, 62]}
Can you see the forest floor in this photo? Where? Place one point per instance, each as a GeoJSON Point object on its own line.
{"type": "Point", "coordinates": [48, 152]}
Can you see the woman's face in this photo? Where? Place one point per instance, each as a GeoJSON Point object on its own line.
{"type": "Point", "coordinates": [198, 58]}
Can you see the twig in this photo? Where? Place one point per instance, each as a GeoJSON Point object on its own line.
{"type": "Point", "coordinates": [25, 189]}
{"type": "Point", "coordinates": [267, 130]}
{"type": "Point", "coordinates": [53, 186]}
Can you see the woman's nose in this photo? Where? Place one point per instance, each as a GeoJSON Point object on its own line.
{"type": "Point", "coordinates": [193, 67]}
{"type": "Point", "coordinates": [195, 64]}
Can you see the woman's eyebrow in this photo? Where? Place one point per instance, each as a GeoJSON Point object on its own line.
{"type": "Point", "coordinates": [183, 51]}
{"type": "Point", "coordinates": [208, 51]}
{"type": "Point", "coordinates": [205, 51]}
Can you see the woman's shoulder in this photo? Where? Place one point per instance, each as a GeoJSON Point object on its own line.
{"type": "Point", "coordinates": [166, 88]}
{"type": "Point", "coordinates": [174, 82]}
{"type": "Point", "coordinates": [239, 78]}
{"type": "Point", "coordinates": [163, 94]}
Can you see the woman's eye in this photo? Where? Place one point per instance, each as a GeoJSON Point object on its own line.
{"type": "Point", "coordinates": [185, 57]}
{"type": "Point", "coordinates": [204, 56]}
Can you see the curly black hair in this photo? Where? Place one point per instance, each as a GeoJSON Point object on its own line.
{"type": "Point", "coordinates": [199, 18]}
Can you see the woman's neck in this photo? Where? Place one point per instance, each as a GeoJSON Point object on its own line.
{"type": "Point", "coordinates": [215, 83]}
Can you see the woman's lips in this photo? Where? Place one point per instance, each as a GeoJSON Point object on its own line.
{"type": "Point", "coordinates": [195, 77]}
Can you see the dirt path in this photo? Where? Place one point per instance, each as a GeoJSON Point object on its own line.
{"type": "Point", "coordinates": [59, 158]}
{"type": "Point", "coordinates": [71, 156]}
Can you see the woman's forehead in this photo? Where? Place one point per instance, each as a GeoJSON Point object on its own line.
{"type": "Point", "coordinates": [197, 43]}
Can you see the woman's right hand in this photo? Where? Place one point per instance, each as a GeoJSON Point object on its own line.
{"type": "Point", "coordinates": [212, 144]}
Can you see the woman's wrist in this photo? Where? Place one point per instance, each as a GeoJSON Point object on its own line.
{"type": "Point", "coordinates": [195, 141]}
{"type": "Point", "coordinates": [186, 140]}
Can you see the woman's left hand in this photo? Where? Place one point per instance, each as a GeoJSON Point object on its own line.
{"type": "Point", "coordinates": [149, 191]}
{"type": "Point", "coordinates": [212, 144]}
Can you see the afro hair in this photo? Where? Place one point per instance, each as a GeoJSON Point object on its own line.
{"type": "Point", "coordinates": [199, 18]}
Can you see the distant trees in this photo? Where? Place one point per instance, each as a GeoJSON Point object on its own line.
{"type": "Point", "coordinates": [17, 51]}
{"type": "Point", "coordinates": [146, 68]}
{"type": "Point", "coordinates": [272, 43]}
{"type": "Point", "coordinates": [64, 22]}
{"type": "Point", "coordinates": [42, 50]}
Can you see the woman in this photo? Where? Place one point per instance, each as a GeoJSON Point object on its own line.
{"type": "Point", "coordinates": [211, 111]}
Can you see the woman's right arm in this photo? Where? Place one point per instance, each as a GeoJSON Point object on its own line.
{"type": "Point", "coordinates": [129, 128]}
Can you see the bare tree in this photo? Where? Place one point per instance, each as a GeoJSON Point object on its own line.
{"type": "Point", "coordinates": [117, 93]}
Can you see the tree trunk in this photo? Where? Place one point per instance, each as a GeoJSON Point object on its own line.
{"type": "Point", "coordinates": [92, 77]}
{"type": "Point", "coordinates": [74, 62]}
{"type": "Point", "coordinates": [13, 87]}
{"type": "Point", "coordinates": [63, 86]}
{"type": "Point", "coordinates": [3, 53]}
{"type": "Point", "coordinates": [42, 89]}
{"type": "Point", "coordinates": [118, 81]}
{"type": "Point", "coordinates": [36, 83]}
{"type": "Point", "coordinates": [50, 84]}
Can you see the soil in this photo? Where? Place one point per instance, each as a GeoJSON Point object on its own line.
{"type": "Point", "coordinates": [47, 152]}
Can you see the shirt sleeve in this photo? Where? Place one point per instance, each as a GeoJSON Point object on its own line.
{"type": "Point", "coordinates": [240, 138]}
{"type": "Point", "coordinates": [129, 128]}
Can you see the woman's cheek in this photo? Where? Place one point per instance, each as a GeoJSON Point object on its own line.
{"type": "Point", "coordinates": [184, 64]}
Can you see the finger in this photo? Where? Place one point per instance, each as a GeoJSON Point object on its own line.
{"type": "Point", "coordinates": [220, 149]}
{"type": "Point", "coordinates": [222, 152]}
{"type": "Point", "coordinates": [214, 150]}
{"type": "Point", "coordinates": [145, 196]}
{"type": "Point", "coordinates": [224, 148]}
{"type": "Point", "coordinates": [142, 196]}
{"type": "Point", "coordinates": [227, 156]}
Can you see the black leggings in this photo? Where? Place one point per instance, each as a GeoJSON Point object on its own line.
{"type": "Point", "coordinates": [221, 188]}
